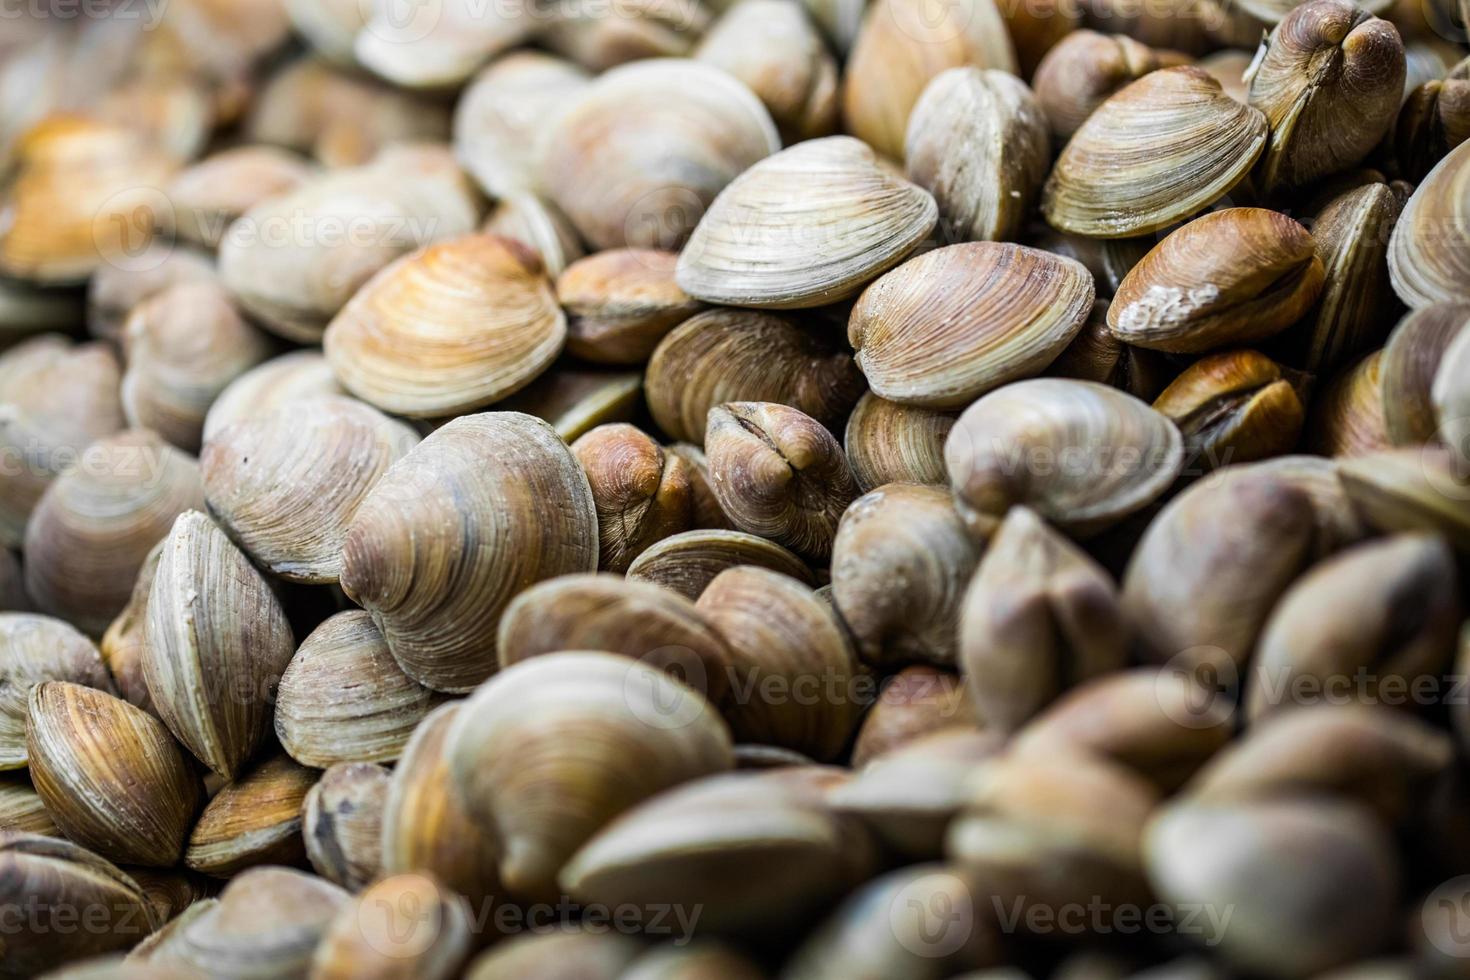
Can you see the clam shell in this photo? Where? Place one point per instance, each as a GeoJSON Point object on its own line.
{"type": "Point", "coordinates": [122, 645]}
{"type": "Point", "coordinates": [254, 820]}
{"type": "Point", "coordinates": [574, 401]}
{"type": "Point", "coordinates": [645, 148]}
{"type": "Point", "coordinates": [640, 29]}
{"type": "Point", "coordinates": [583, 954]}
{"type": "Point", "coordinates": [448, 329]}
{"type": "Point", "coordinates": [888, 442]}
{"type": "Point", "coordinates": [207, 196]}
{"type": "Point", "coordinates": [1234, 407]}
{"type": "Point", "coordinates": [902, 45]}
{"type": "Point", "coordinates": [377, 933]}
{"type": "Point", "coordinates": [483, 508]}
{"type": "Point", "coordinates": [687, 563]}
{"type": "Point", "coordinates": [621, 303]}
{"type": "Point", "coordinates": [1080, 454]}
{"type": "Point", "coordinates": [1410, 362]}
{"type": "Point", "coordinates": [1429, 253]}
{"type": "Point", "coordinates": [708, 514]}
{"type": "Point", "coordinates": [1348, 413]}
{"type": "Point", "coordinates": [806, 227]}
{"type": "Point", "coordinates": [439, 46]}
{"type": "Point", "coordinates": [22, 811]}
{"type": "Point", "coordinates": [343, 698]}
{"type": "Point", "coordinates": [952, 324]}
{"type": "Point", "coordinates": [503, 114]}
{"type": "Point", "coordinates": [1083, 70]}
{"type": "Point", "coordinates": [538, 225]}
{"type": "Point", "coordinates": [642, 493]}
{"type": "Point", "coordinates": [114, 290]}
{"type": "Point", "coordinates": [1410, 490]}
{"type": "Point", "coordinates": [96, 523]}
{"type": "Point", "coordinates": [1156, 152]}
{"type": "Point", "coordinates": [721, 356]}
{"type": "Point", "coordinates": [342, 823]}
{"type": "Point", "coordinates": [1433, 121]}
{"type": "Point", "coordinates": [1451, 396]}
{"type": "Point", "coordinates": [329, 26]}
{"type": "Point", "coordinates": [216, 642]}
{"type": "Point", "coordinates": [292, 377]}
{"type": "Point", "coordinates": [915, 702]}
{"type": "Point", "coordinates": [34, 649]}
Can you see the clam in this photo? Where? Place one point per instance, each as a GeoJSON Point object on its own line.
{"type": "Point", "coordinates": [952, 324]}
{"type": "Point", "coordinates": [448, 329]}
{"type": "Point", "coordinates": [1450, 393]}
{"type": "Point", "coordinates": [1434, 120]}
{"type": "Point", "coordinates": [806, 227]}
{"type": "Point", "coordinates": [1039, 616]}
{"type": "Point", "coordinates": [207, 196]}
{"type": "Point", "coordinates": [57, 398]}
{"type": "Point", "coordinates": [642, 493]}
{"type": "Point", "coordinates": [343, 698]}
{"type": "Point", "coordinates": [122, 645]}
{"type": "Point", "coordinates": [282, 380]}
{"type": "Point", "coordinates": [1410, 362]}
{"type": "Point", "coordinates": [633, 619]}
{"type": "Point", "coordinates": [1429, 253]}
{"type": "Point", "coordinates": [22, 810]}
{"type": "Point", "coordinates": [915, 702]}
{"type": "Point", "coordinates": [774, 48]}
{"type": "Point", "coordinates": [1348, 414]}
{"type": "Point", "coordinates": [1410, 490]}
{"type": "Point", "coordinates": [441, 46]}
{"type": "Point", "coordinates": [484, 507]}
{"type": "Point", "coordinates": [550, 750]}
{"type": "Point", "coordinates": [184, 345]}
{"type": "Point", "coordinates": [402, 926]}
{"type": "Point", "coordinates": [580, 953]}
{"type": "Point", "coordinates": [889, 442]}
{"type": "Point", "coordinates": [758, 852]}
{"type": "Point", "coordinates": [1228, 68]}
{"type": "Point", "coordinates": [35, 649]}
{"type": "Point", "coordinates": [425, 825]}
{"type": "Point", "coordinates": [254, 820]}
{"type": "Point", "coordinates": [285, 485]}
{"type": "Point", "coordinates": [708, 514]}
{"type": "Point", "coordinates": [910, 534]}
{"type": "Point", "coordinates": [1080, 454]}
{"type": "Point", "coordinates": [1156, 152]}
{"type": "Point", "coordinates": [902, 45]}
{"type": "Point", "coordinates": [778, 473]}
{"type": "Point", "coordinates": [573, 400]}
{"type": "Point", "coordinates": [538, 225]}
{"type": "Point", "coordinates": [503, 113]}
{"type": "Point", "coordinates": [645, 148]}
{"type": "Point", "coordinates": [1231, 277]}
{"type": "Point", "coordinates": [1096, 354]}
{"type": "Point", "coordinates": [598, 38]}
{"type": "Point", "coordinates": [726, 355]}
{"type": "Point", "coordinates": [1234, 407]}
{"type": "Point", "coordinates": [215, 644]}
{"type": "Point", "coordinates": [97, 522]}
{"type": "Point", "coordinates": [1188, 26]}
{"type": "Point", "coordinates": [342, 823]}
{"type": "Point", "coordinates": [110, 775]}
{"type": "Point", "coordinates": [1083, 69]}
{"type": "Point", "coordinates": [1329, 79]}
{"type": "Point", "coordinates": [791, 666]}
{"type": "Point", "coordinates": [1108, 259]}
{"type": "Point", "coordinates": [621, 303]}
{"type": "Point", "coordinates": [688, 562]}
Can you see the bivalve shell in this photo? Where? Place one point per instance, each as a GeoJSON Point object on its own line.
{"type": "Point", "coordinates": [643, 494]}
{"type": "Point", "coordinates": [687, 563]}
{"type": "Point", "coordinates": [621, 303]}
{"type": "Point", "coordinates": [206, 197]}
{"type": "Point", "coordinates": [888, 442]}
{"type": "Point", "coordinates": [1084, 69]}
{"type": "Point", "coordinates": [292, 377]}
{"type": "Point", "coordinates": [254, 820]}
{"type": "Point", "coordinates": [404, 926]}
{"type": "Point", "coordinates": [1429, 253]}
{"type": "Point", "coordinates": [342, 823]}
{"type": "Point", "coordinates": [35, 649]}
{"type": "Point", "coordinates": [1410, 363]}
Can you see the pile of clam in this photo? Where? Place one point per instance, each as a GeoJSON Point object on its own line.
{"type": "Point", "coordinates": [807, 489]}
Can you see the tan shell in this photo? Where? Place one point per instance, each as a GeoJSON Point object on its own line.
{"type": "Point", "coordinates": [646, 147]}
{"type": "Point", "coordinates": [1231, 277]}
{"type": "Point", "coordinates": [97, 522]}
{"type": "Point", "coordinates": [778, 473]}
{"type": "Point", "coordinates": [621, 303]}
{"type": "Point", "coordinates": [552, 749]}
{"type": "Point", "coordinates": [1329, 79]}
{"type": "Point", "coordinates": [114, 290]}
{"type": "Point", "coordinates": [793, 669]}
{"type": "Point", "coordinates": [207, 196]}
{"type": "Point", "coordinates": [1228, 68]}
{"type": "Point", "coordinates": [426, 827]}
{"type": "Point", "coordinates": [216, 643]}
{"type": "Point", "coordinates": [887, 442]}
{"type": "Point", "coordinates": [285, 485]}
{"type": "Point", "coordinates": [1234, 407]}
{"type": "Point", "coordinates": [1348, 412]}
{"type": "Point", "coordinates": [708, 514]}
{"type": "Point", "coordinates": [540, 227]}
{"type": "Point", "coordinates": [447, 538]}
{"type": "Point", "coordinates": [1451, 396]}
{"type": "Point", "coordinates": [1039, 617]}
{"type": "Point", "coordinates": [758, 852]}
{"type": "Point", "coordinates": [1410, 362]}
{"type": "Point", "coordinates": [1096, 354]}
{"type": "Point", "coordinates": [254, 820]}
{"type": "Point", "coordinates": [687, 563]}
{"type": "Point", "coordinates": [439, 47]}
{"type": "Point", "coordinates": [290, 263]}
{"type": "Point", "coordinates": [900, 562]}
{"type": "Point", "coordinates": [56, 398]}
{"type": "Point", "coordinates": [282, 380]}
{"type": "Point", "coordinates": [915, 702]}
{"type": "Point", "coordinates": [110, 775]}
{"type": "Point", "coordinates": [1083, 69]}
{"type": "Point", "coordinates": [343, 698]}
{"type": "Point", "coordinates": [724, 355]}
{"type": "Point", "coordinates": [638, 30]}
{"type": "Point", "coordinates": [59, 874]}
{"type": "Point", "coordinates": [184, 345]}
{"type": "Point", "coordinates": [806, 227]}
{"type": "Point", "coordinates": [502, 115]}
{"type": "Point", "coordinates": [342, 823]}
{"type": "Point", "coordinates": [22, 809]}
{"type": "Point", "coordinates": [952, 324]}
{"type": "Point", "coordinates": [34, 649]}
{"type": "Point", "coordinates": [1429, 253]}
{"type": "Point", "coordinates": [403, 926]}
{"type": "Point", "coordinates": [902, 45]}
{"type": "Point", "coordinates": [1156, 152]}
{"type": "Point", "coordinates": [1434, 120]}
{"type": "Point", "coordinates": [584, 955]}
{"type": "Point", "coordinates": [977, 141]}
{"type": "Point", "coordinates": [1410, 490]}
{"type": "Point", "coordinates": [84, 193]}
{"type": "Point", "coordinates": [122, 645]}
{"type": "Point", "coordinates": [642, 493]}
{"type": "Point", "coordinates": [1098, 454]}
{"type": "Point", "coordinates": [773, 47]}
{"type": "Point", "coordinates": [573, 401]}
{"type": "Point", "coordinates": [328, 26]}
{"type": "Point", "coordinates": [448, 329]}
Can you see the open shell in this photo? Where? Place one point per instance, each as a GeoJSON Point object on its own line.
{"type": "Point", "coordinates": [1429, 253]}
{"type": "Point", "coordinates": [646, 147]}
{"type": "Point", "coordinates": [950, 325]}
{"type": "Point", "coordinates": [1158, 151]}
{"type": "Point", "coordinates": [806, 227]}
